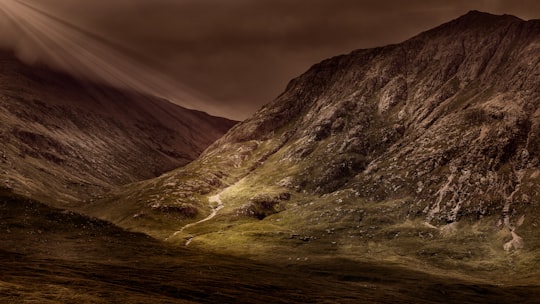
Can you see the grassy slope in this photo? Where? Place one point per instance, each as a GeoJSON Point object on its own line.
{"type": "Point", "coordinates": [341, 223]}
{"type": "Point", "coordinates": [313, 227]}
{"type": "Point", "coordinates": [53, 256]}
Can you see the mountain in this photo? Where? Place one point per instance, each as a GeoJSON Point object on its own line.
{"type": "Point", "coordinates": [64, 139]}
{"type": "Point", "coordinates": [423, 153]}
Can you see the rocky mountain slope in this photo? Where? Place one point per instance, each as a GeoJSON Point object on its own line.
{"type": "Point", "coordinates": [424, 153]}
{"type": "Point", "coordinates": [64, 139]}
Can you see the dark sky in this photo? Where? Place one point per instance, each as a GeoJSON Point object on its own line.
{"type": "Point", "coordinates": [240, 54]}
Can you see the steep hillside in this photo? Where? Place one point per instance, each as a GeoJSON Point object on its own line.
{"type": "Point", "coordinates": [63, 139]}
{"type": "Point", "coordinates": [424, 152]}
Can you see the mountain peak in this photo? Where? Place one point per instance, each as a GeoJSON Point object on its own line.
{"type": "Point", "coordinates": [480, 23]}
{"type": "Point", "coordinates": [476, 16]}
{"type": "Point", "coordinates": [478, 13]}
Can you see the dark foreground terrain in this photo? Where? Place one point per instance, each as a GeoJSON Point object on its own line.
{"type": "Point", "coordinates": [52, 256]}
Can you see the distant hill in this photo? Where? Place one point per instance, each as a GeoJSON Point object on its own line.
{"type": "Point", "coordinates": [63, 140]}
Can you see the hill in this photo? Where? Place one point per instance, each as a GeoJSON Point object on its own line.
{"type": "Point", "coordinates": [63, 139]}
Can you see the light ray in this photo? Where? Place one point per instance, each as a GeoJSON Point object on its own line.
{"type": "Point", "coordinates": [40, 36]}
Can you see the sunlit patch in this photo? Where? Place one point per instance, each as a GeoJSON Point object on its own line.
{"type": "Point", "coordinates": [39, 36]}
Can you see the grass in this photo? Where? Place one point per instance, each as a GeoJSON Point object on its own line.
{"type": "Point", "coordinates": [190, 186]}
{"type": "Point", "coordinates": [345, 226]}
{"type": "Point", "coordinates": [52, 256]}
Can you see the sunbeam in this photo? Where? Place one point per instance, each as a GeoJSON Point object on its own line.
{"type": "Point", "coordinates": [39, 36]}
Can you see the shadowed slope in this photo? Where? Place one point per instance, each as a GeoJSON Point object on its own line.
{"type": "Point", "coordinates": [69, 139]}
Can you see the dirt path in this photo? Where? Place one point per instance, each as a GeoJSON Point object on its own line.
{"type": "Point", "coordinates": [215, 208]}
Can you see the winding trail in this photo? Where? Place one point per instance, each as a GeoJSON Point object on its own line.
{"type": "Point", "coordinates": [212, 199]}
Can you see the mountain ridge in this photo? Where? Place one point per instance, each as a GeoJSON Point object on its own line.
{"type": "Point", "coordinates": [66, 139]}
{"type": "Point", "coordinates": [465, 21]}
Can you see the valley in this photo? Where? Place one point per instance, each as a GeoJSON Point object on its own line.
{"type": "Point", "coordinates": [400, 174]}
{"type": "Point", "coordinates": [380, 156]}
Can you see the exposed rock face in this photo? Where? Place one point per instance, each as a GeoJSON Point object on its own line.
{"type": "Point", "coordinates": [393, 146]}
{"type": "Point", "coordinates": [67, 139]}
{"type": "Point", "coordinates": [454, 110]}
